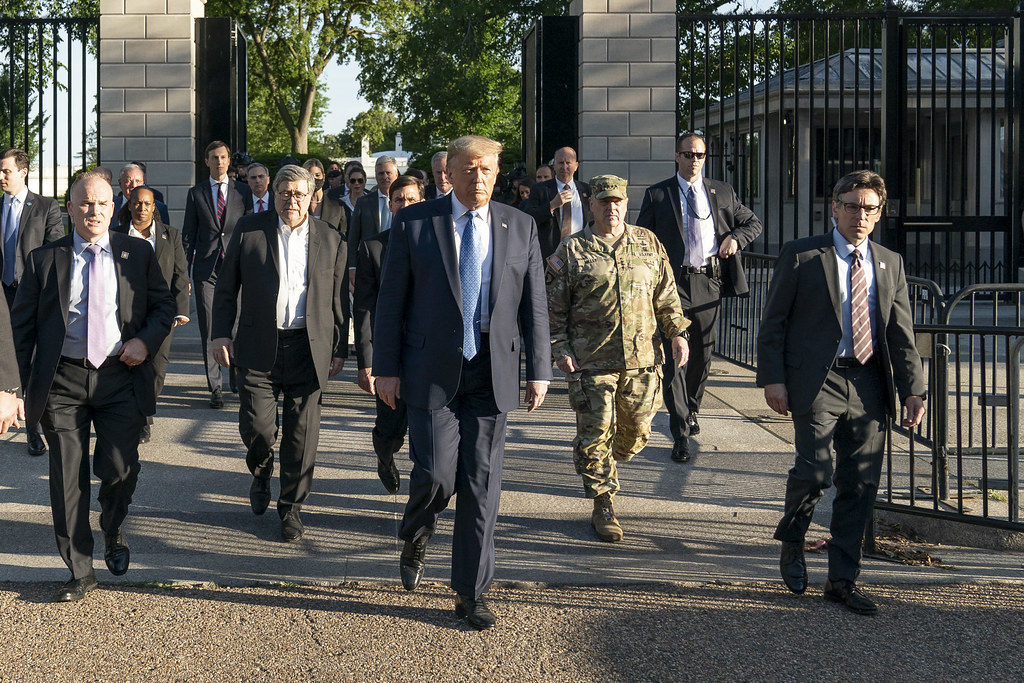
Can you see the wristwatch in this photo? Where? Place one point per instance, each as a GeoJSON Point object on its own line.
{"type": "Point", "coordinates": [685, 334]}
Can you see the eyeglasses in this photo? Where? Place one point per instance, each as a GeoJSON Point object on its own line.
{"type": "Point", "coordinates": [694, 155]}
{"type": "Point", "coordinates": [292, 196]}
{"type": "Point", "coordinates": [854, 209]}
{"type": "Point", "coordinates": [356, 181]}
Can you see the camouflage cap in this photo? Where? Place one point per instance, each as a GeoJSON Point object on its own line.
{"type": "Point", "coordinates": [605, 186]}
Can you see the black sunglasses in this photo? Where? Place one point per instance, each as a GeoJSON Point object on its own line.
{"type": "Point", "coordinates": [694, 155]}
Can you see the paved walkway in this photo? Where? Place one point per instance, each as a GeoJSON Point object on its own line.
{"type": "Point", "coordinates": [708, 520]}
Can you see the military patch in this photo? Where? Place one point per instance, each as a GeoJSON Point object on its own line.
{"type": "Point", "coordinates": [555, 262]}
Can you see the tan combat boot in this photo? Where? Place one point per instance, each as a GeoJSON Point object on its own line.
{"type": "Point", "coordinates": [603, 520]}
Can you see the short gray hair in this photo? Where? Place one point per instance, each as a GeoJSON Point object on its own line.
{"type": "Point", "coordinates": [438, 157]}
{"type": "Point", "coordinates": [291, 173]}
{"type": "Point", "coordinates": [257, 164]}
{"type": "Point", "coordinates": [385, 159]}
{"type": "Point", "coordinates": [131, 167]}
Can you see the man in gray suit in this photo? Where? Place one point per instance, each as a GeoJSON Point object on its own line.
{"type": "Point", "coordinates": [372, 213]}
{"type": "Point", "coordinates": [836, 346]}
{"type": "Point", "coordinates": [462, 289]}
{"type": "Point", "coordinates": [292, 334]}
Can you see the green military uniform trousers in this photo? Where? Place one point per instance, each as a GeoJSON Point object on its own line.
{"type": "Point", "coordinates": [614, 411]}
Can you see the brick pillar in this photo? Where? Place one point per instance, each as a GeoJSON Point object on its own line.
{"type": "Point", "coordinates": [147, 84]}
{"type": "Point", "coordinates": [627, 91]}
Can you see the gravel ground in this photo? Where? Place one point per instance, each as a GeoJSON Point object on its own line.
{"type": "Point", "coordinates": [650, 632]}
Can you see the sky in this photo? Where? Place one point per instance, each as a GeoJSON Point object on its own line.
{"type": "Point", "coordinates": [342, 82]}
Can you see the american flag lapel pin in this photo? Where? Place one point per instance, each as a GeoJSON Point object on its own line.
{"type": "Point", "coordinates": [124, 255]}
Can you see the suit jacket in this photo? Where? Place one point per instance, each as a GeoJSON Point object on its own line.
{"type": "Point", "coordinates": [40, 312]}
{"type": "Point", "coordinates": [661, 212]}
{"type": "Point", "coordinates": [170, 255]}
{"type": "Point", "coordinates": [365, 223]}
{"type": "Point", "coordinates": [801, 327]}
{"type": "Point", "coordinates": [335, 212]}
{"type": "Point", "coordinates": [9, 376]}
{"type": "Point", "coordinates": [119, 202]}
{"type": "Point", "coordinates": [202, 235]}
{"type": "Point", "coordinates": [549, 227]}
{"type": "Point", "coordinates": [40, 223]}
{"type": "Point", "coordinates": [364, 299]}
{"type": "Point", "coordinates": [251, 267]}
{"type": "Point", "coordinates": [417, 333]}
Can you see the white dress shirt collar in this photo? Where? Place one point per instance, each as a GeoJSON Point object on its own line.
{"type": "Point", "coordinates": [459, 210]}
{"type": "Point", "coordinates": [152, 234]}
{"type": "Point", "coordinates": [21, 197]}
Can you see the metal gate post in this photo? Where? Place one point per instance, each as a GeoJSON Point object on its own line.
{"type": "Point", "coordinates": [1015, 134]}
{"type": "Point", "coordinates": [894, 76]}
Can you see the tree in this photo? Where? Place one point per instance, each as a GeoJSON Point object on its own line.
{"type": "Point", "coordinates": [293, 41]}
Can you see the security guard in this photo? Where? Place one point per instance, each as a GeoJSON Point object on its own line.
{"type": "Point", "coordinates": [611, 296]}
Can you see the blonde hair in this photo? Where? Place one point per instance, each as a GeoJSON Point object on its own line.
{"type": "Point", "coordinates": [473, 146]}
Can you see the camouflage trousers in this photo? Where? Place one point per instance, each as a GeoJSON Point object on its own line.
{"type": "Point", "coordinates": [614, 411]}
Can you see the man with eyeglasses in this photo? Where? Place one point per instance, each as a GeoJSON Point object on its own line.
{"type": "Point", "coordinates": [836, 345]}
{"type": "Point", "coordinates": [703, 226]}
{"type": "Point", "coordinates": [289, 268]}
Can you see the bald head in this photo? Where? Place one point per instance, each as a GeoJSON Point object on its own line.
{"type": "Point", "coordinates": [565, 164]}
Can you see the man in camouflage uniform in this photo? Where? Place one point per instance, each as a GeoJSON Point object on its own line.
{"type": "Point", "coordinates": [611, 296]}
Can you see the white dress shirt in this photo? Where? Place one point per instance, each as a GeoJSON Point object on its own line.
{"type": "Point", "coordinates": [76, 339]}
{"type": "Point", "coordinates": [292, 266]}
{"type": "Point", "coordinates": [705, 225]}
{"type": "Point", "coordinates": [266, 203]}
{"type": "Point", "coordinates": [18, 202]}
{"type": "Point", "coordinates": [577, 204]}
{"type": "Point", "coordinates": [483, 223]}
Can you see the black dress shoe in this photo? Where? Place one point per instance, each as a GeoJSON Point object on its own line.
{"type": "Point", "coordinates": [793, 567]}
{"type": "Point", "coordinates": [145, 434]}
{"type": "Point", "coordinates": [117, 555]}
{"type": "Point", "coordinates": [232, 380]}
{"type": "Point", "coordinates": [387, 472]}
{"type": "Point", "coordinates": [36, 445]}
{"type": "Point", "coordinates": [411, 564]}
{"type": "Point", "coordinates": [259, 494]}
{"type": "Point", "coordinates": [217, 398]}
{"type": "Point", "coordinates": [691, 422]}
{"type": "Point", "coordinates": [847, 593]}
{"type": "Point", "coordinates": [681, 450]}
{"type": "Point", "coordinates": [476, 612]}
{"type": "Point", "coordinates": [291, 527]}
{"type": "Point", "coordinates": [75, 589]}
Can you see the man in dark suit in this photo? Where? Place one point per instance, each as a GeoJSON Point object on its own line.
{"type": "Point", "coordinates": [371, 213]}
{"type": "Point", "coordinates": [142, 221]}
{"type": "Point", "coordinates": [283, 280]}
{"type": "Point", "coordinates": [438, 169]}
{"type": "Point", "coordinates": [90, 308]}
{"type": "Point", "coordinates": [462, 288]}
{"type": "Point", "coordinates": [132, 176]}
{"type": "Point", "coordinates": [835, 347]}
{"type": "Point", "coordinates": [561, 206]}
{"type": "Point", "coordinates": [211, 210]}
{"type": "Point", "coordinates": [390, 426]}
{"type": "Point", "coordinates": [12, 408]}
{"type": "Point", "coordinates": [27, 221]}
{"type": "Point", "coordinates": [703, 226]}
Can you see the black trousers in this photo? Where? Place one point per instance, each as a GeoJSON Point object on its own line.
{"type": "Point", "coordinates": [204, 312]}
{"type": "Point", "coordinates": [9, 294]}
{"type": "Point", "coordinates": [458, 449]}
{"type": "Point", "coordinates": [684, 391]}
{"type": "Point", "coordinates": [389, 428]}
{"type": "Point", "coordinates": [293, 377]}
{"type": "Point", "coordinates": [848, 415]}
{"type": "Point", "coordinates": [81, 399]}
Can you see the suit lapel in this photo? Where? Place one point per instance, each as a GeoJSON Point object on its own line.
{"type": "Point", "coordinates": [120, 253]}
{"type": "Point", "coordinates": [712, 201]}
{"type": "Point", "coordinates": [831, 268]}
{"type": "Point", "coordinates": [163, 245]}
{"type": "Point", "coordinates": [677, 200]}
{"type": "Point", "coordinates": [62, 262]}
{"type": "Point", "coordinates": [311, 254]}
{"type": "Point", "coordinates": [883, 286]}
{"type": "Point", "coordinates": [270, 234]}
{"type": "Point", "coordinates": [499, 251]}
{"type": "Point", "coordinates": [206, 193]}
{"type": "Point", "coordinates": [27, 211]}
{"type": "Point", "coordinates": [444, 231]}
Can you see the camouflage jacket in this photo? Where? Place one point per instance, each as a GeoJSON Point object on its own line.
{"type": "Point", "coordinates": [607, 303]}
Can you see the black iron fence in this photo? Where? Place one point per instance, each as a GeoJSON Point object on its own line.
{"type": "Point", "coordinates": [49, 83]}
{"type": "Point", "coordinates": [788, 103]}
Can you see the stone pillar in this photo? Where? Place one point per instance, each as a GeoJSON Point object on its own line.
{"type": "Point", "coordinates": [147, 104]}
{"type": "Point", "coordinates": [627, 91]}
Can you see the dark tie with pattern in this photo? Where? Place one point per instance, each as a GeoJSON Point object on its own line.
{"type": "Point", "coordinates": [860, 318]}
{"type": "Point", "coordinates": [222, 204]}
{"type": "Point", "coordinates": [565, 223]}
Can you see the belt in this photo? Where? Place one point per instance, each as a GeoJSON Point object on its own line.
{"type": "Point", "coordinates": [290, 333]}
{"type": "Point", "coordinates": [848, 363]}
{"type": "Point", "coordinates": [84, 362]}
{"type": "Point", "coordinates": [712, 269]}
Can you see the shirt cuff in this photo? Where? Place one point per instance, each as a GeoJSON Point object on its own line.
{"type": "Point", "coordinates": [183, 318]}
{"type": "Point", "coordinates": [540, 381]}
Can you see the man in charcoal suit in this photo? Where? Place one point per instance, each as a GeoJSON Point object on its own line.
{"type": "Point", "coordinates": [561, 206]}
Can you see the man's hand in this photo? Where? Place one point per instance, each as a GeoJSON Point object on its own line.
{"type": "Point", "coordinates": [388, 390]}
{"type": "Point", "coordinates": [680, 351]}
{"type": "Point", "coordinates": [351, 280]}
{"type": "Point", "coordinates": [535, 393]}
{"type": "Point", "coordinates": [366, 380]}
{"type": "Point", "coordinates": [915, 411]}
{"type": "Point", "coordinates": [568, 364]}
{"type": "Point", "coordinates": [12, 409]}
{"type": "Point", "coordinates": [337, 365]}
{"type": "Point", "coordinates": [133, 352]}
{"type": "Point", "coordinates": [222, 351]}
{"type": "Point", "coordinates": [729, 247]}
{"type": "Point", "coordinates": [180, 320]}
{"type": "Point", "coordinates": [563, 197]}
{"type": "Point", "coordinates": [777, 398]}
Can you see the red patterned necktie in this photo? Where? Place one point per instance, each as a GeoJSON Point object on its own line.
{"type": "Point", "coordinates": [260, 209]}
{"type": "Point", "coordinates": [860, 319]}
{"type": "Point", "coordinates": [222, 204]}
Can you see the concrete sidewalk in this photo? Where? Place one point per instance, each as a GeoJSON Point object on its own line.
{"type": "Point", "coordinates": [708, 520]}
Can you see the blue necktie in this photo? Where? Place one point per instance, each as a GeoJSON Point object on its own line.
{"type": "Point", "coordinates": [10, 244]}
{"type": "Point", "coordinates": [470, 273]}
{"type": "Point", "coordinates": [695, 245]}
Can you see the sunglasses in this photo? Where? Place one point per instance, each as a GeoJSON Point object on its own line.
{"type": "Point", "coordinates": [694, 155]}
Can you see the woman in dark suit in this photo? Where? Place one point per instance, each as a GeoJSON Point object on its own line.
{"type": "Point", "coordinates": [138, 218]}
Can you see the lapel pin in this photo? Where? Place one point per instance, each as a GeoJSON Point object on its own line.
{"type": "Point", "coordinates": [882, 265]}
{"type": "Point", "coordinates": [504, 225]}
{"type": "Point", "coordinates": [124, 255]}
{"type": "Point", "coordinates": [712, 190]}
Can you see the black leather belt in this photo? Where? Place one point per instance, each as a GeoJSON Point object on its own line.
{"type": "Point", "coordinates": [848, 363]}
{"type": "Point", "coordinates": [290, 333]}
{"type": "Point", "coordinates": [84, 362]}
{"type": "Point", "coordinates": [712, 269]}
